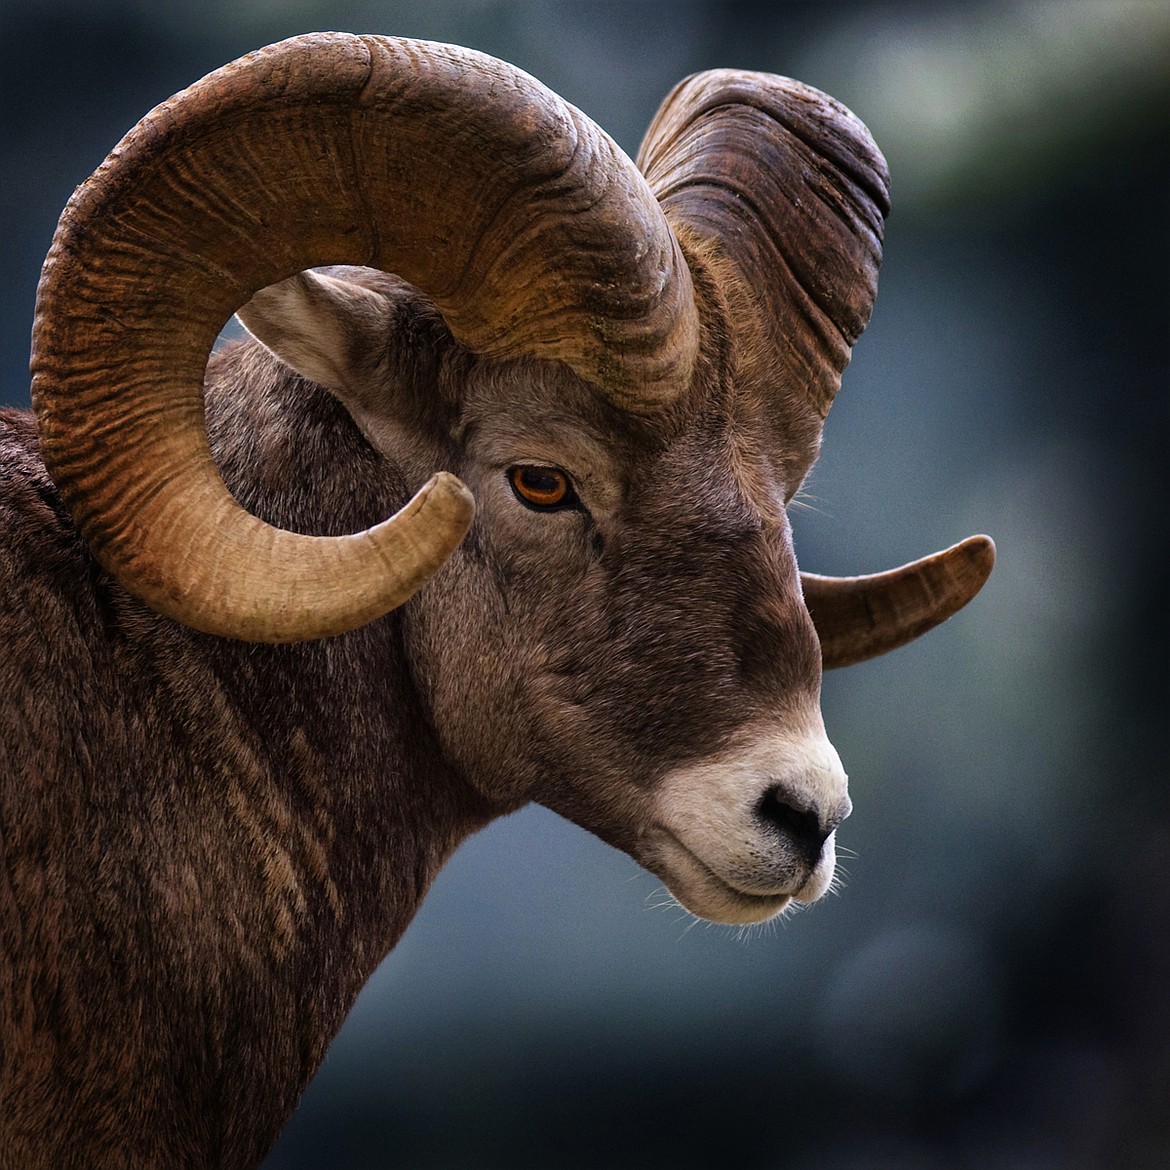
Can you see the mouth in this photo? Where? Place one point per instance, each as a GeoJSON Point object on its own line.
{"type": "Point", "coordinates": [706, 894]}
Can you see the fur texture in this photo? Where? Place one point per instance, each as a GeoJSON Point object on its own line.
{"type": "Point", "coordinates": [207, 846]}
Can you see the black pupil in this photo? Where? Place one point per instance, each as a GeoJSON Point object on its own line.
{"type": "Point", "coordinates": [541, 483]}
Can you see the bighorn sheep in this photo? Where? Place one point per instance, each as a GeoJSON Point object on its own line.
{"type": "Point", "coordinates": [232, 758]}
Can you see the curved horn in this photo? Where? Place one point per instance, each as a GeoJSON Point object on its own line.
{"type": "Point", "coordinates": [787, 185]}
{"type": "Point", "coordinates": [521, 219]}
{"type": "Point", "coordinates": [861, 617]}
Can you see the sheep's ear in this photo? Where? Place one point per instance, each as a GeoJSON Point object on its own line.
{"type": "Point", "coordinates": [328, 330]}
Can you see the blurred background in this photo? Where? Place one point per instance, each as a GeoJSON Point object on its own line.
{"type": "Point", "coordinates": [991, 988]}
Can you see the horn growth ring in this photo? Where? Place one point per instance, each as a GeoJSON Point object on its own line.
{"type": "Point", "coordinates": [529, 228]}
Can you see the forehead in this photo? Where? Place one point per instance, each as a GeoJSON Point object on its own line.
{"type": "Point", "coordinates": [714, 444]}
{"type": "Point", "coordinates": [502, 401]}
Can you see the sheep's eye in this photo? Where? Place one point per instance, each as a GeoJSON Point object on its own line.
{"type": "Point", "coordinates": [542, 488]}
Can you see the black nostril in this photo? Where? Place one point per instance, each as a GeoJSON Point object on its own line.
{"type": "Point", "coordinates": [801, 825]}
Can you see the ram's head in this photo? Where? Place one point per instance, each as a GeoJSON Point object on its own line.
{"type": "Point", "coordinates": [628, 366]}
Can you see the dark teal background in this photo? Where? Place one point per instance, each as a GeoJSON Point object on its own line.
{"type": "Point", "coordinates": [991, 988]}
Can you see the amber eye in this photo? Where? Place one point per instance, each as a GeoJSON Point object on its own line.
{"type": "Point", "coordinates": [543, 488]}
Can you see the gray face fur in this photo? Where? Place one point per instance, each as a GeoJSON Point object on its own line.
{"type": "Point", "coordinates": [639, 659]}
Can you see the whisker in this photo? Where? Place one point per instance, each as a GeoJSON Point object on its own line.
{"type": "Point", "coordinates": [839, 881]}
{"type": "Point", "coordinates": [805, 501]}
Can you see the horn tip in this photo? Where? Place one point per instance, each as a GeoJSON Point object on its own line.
{"type": "Point", "coordinates": [978, 553]}
{"type": "Point", "coordinates": [447, 496]}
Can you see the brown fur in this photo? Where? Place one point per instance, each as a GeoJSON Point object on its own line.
{"type": "Point", "coordinates": [206, 846]}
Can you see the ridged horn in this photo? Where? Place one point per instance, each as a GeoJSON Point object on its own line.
{"type": "Point", "coordinates": [861, 617]}
{"type": "Point", "coordinates": [518, 216]}
{"type": "Point", "coordinates": [788, 189]}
